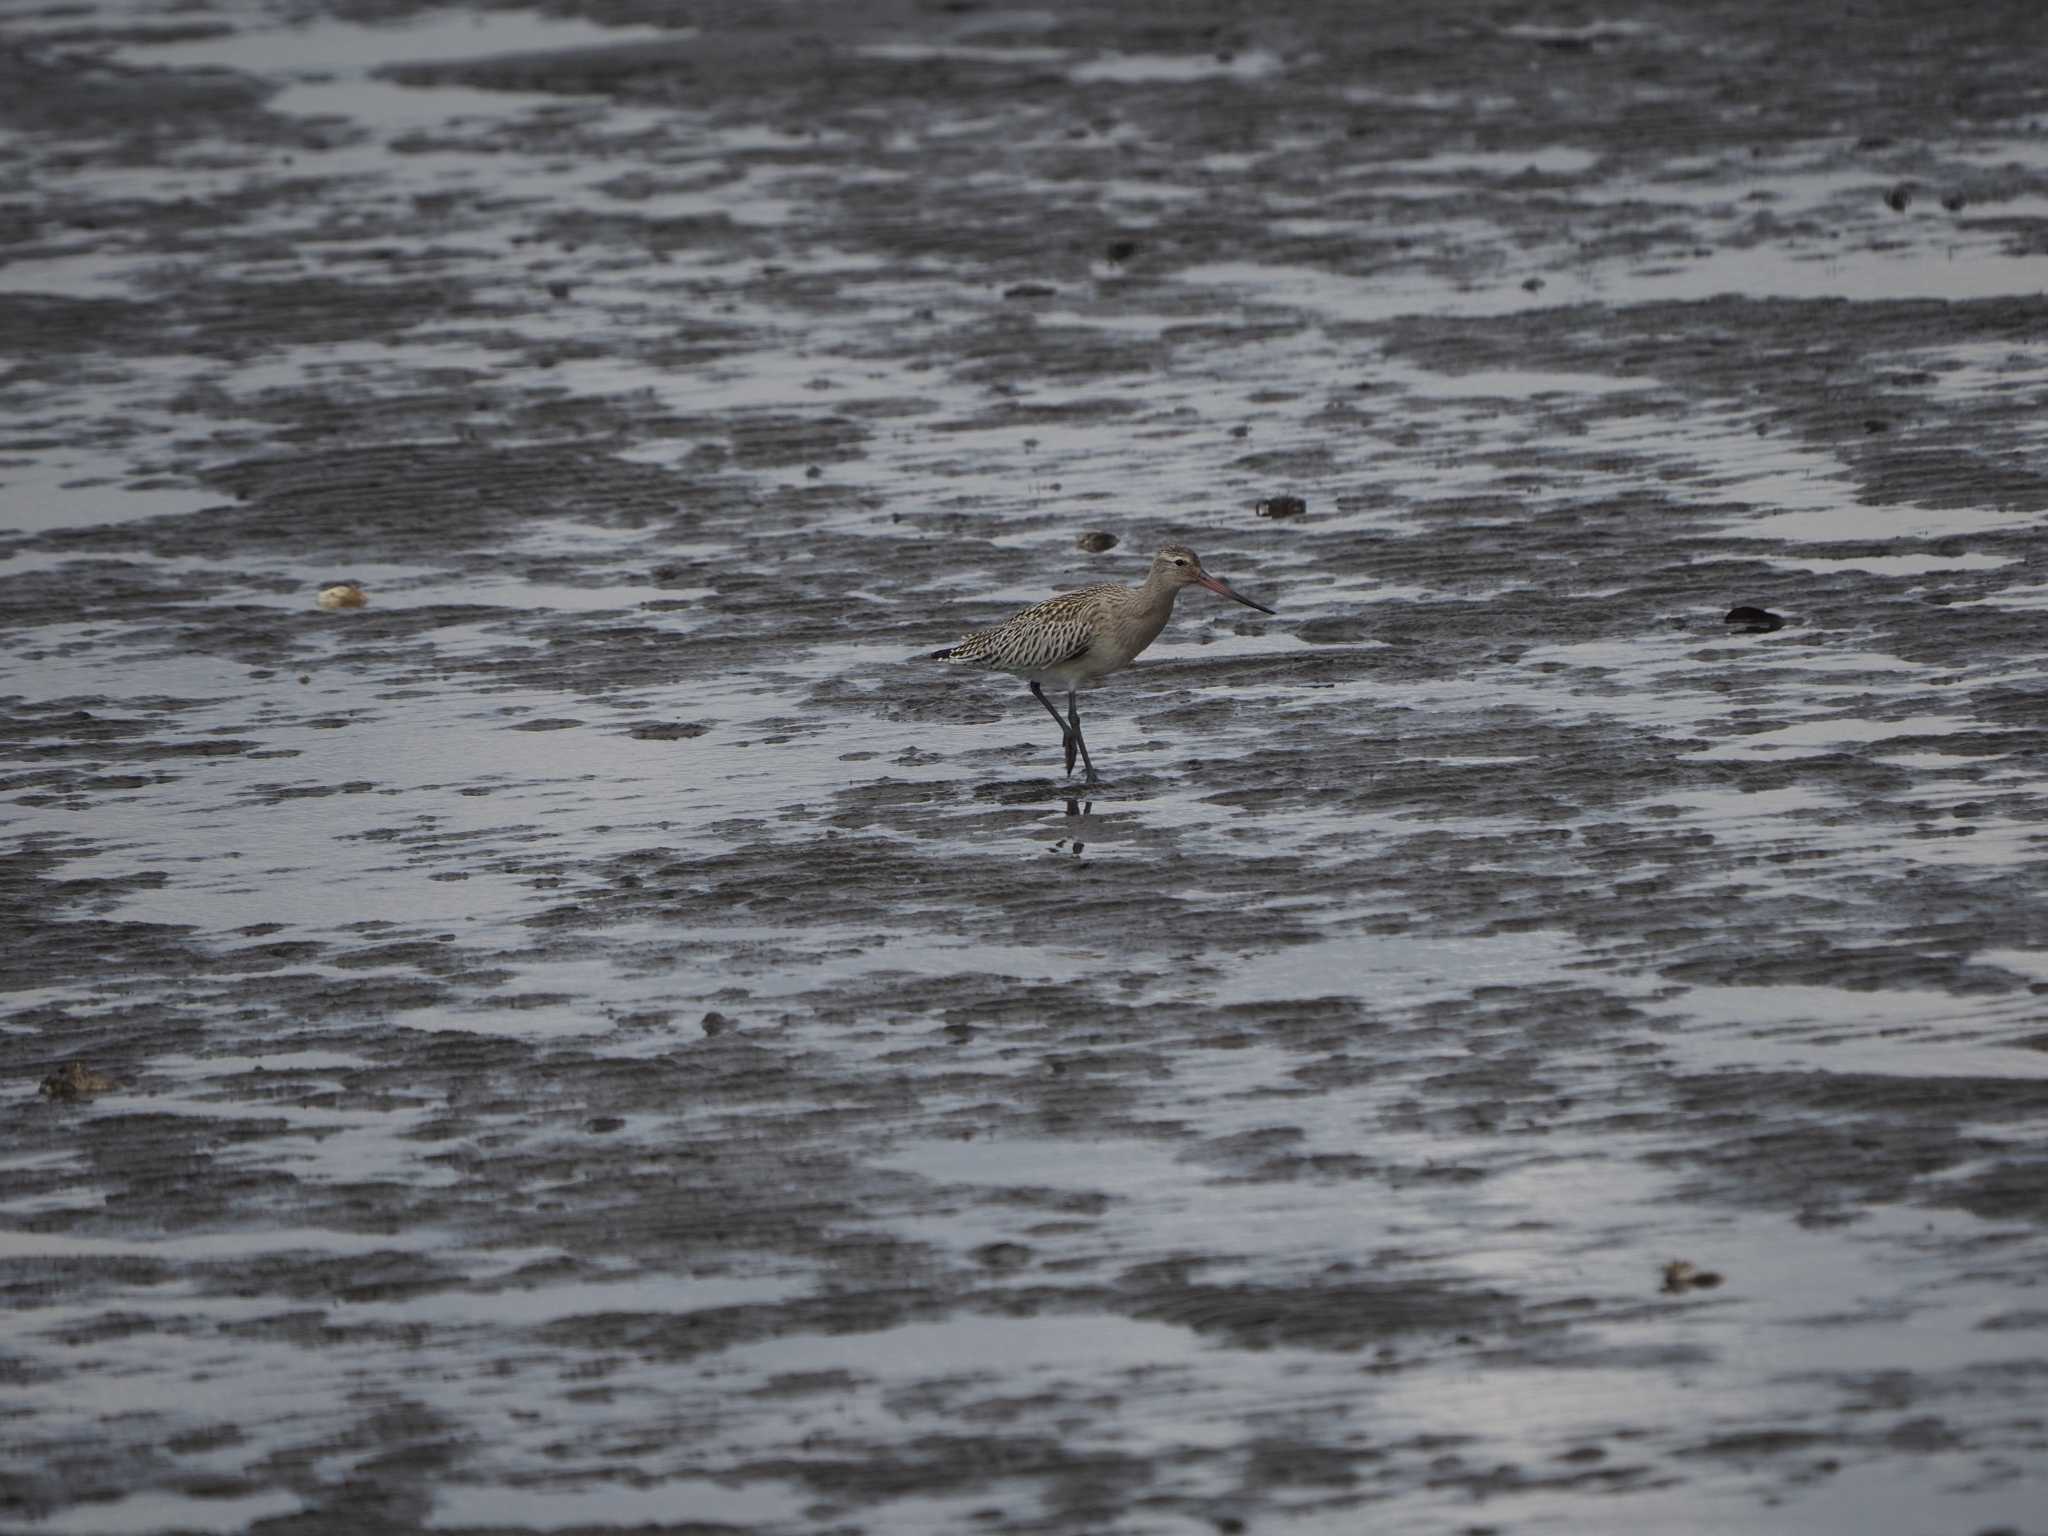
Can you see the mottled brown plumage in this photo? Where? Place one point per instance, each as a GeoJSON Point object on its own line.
{"type": "Point", "coordinates": [1078, 638]}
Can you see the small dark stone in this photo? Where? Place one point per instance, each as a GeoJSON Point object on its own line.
{"type": "Point", "coordinates": [1532, 284]}
{"type": "Point", "coordinates": [671, 730]}
{"type": "Point", "coordinates": [560, 290]}
{"type": "Point", "coordinates": [1955, 202]}
{"type": "Point", "coordinates": [716, 1023]}
{"type": "Point", "coordinates": [1001, 1255]}
{"type": "Point", "coordinates": [1876, 424]}
{"type": "Point", "coordinates": [1095, 541]}
{"type": "Point", "coordinates": [1030, 291]}
{"type": "Point", "coordinates": [1681, 1275]}
{"type": "Point", "coordinates": [1121, 250]}
{"type": "Point", "coordinates": [1758, 621]}
{"type": "Point", "coordinates": [1899, 197]}
{"type": "Point", "coordinates": [1281, 506]}
{"type": "Point", "coordinates": [74, 1081]}
{"type": "Point", "coordinates": [959, 1034]}
{"type": "Point", "coordinates": [604, 1125]}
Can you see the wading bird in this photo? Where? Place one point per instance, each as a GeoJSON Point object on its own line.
{"type": "Point", "coordinates": [1075, 640]}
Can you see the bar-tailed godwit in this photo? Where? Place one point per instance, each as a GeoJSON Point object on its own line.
{"type": "Point", "coordinates": [1075, 640]}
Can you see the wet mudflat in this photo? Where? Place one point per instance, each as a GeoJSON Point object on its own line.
{"type": "Point", "coordinates": [599, 1037]}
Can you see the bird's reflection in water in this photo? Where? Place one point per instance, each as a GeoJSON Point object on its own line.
{"type": "Point", "coordinates": [1075, 845]}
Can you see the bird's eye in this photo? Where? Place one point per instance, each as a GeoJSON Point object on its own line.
{"type": "Point", "coordinates": [1181, 563]}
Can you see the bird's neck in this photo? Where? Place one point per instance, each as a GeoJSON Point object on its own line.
{"type": "Point", "coordinates": [1157, 594]}
{"type": "Point", "coordinates": [1153, 608]}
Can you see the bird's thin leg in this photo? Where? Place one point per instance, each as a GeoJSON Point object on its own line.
{"type": "Point", "coordinates": [1038, 693]}
{"type": "Point", "coordinates": [1074, 738]}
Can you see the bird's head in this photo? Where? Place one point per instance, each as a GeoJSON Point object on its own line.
{"type": "Point", "coordinates": [1180, 566]}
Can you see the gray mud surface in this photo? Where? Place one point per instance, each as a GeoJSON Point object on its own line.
{"type": "Point", "coordinates": [600, 1037]}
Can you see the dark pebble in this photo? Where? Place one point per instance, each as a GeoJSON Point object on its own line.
{"type": "Point", "coordinates": [716, 1023]}
{"type": "Point", "coordinates": [73, 1082]}
{"type": "Point", "coordinates": [1877, 424]}
{"type": "Point", "coordinates": [1955, 202]}
{"type": "Point", "coordinates": [1095, 541]}
{"type": "Point", "coordinates": [1758, 621]}
{"type": "Point", "coordinates": [1898, 198]}
{"type": "Point", "coordinates": [1281, 506]}
{"type": "Point", "coordinates": [1121, 250]}
{"type": "Point", "coordinates": [1030, 291]}
{"type": "Point", "coordinates": [1002, 1255]}
{"type": "Point", "coordinates": [673, 730]}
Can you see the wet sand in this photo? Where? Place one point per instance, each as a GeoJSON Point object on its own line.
{"type": "Point", "coordinates": [599, 1036]}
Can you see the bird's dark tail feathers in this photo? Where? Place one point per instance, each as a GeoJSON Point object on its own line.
{"type": "Point", "coordinates": [941, 655]}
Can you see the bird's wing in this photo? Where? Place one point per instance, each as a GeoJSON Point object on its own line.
{"type": "Point", "coordinates": [1078, 606]}
{"type": "Point", "coordinates": [1060, 629]}
{"type": "Point", "coordinates": [1020, 647]}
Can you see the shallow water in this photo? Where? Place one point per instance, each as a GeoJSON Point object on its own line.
{"type": "Point", "coordinates": [602, 1036]}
